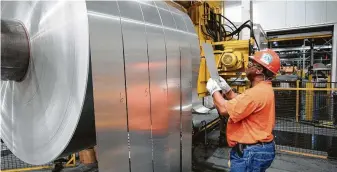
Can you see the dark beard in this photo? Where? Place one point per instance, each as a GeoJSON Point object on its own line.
{"type": "Point", "coordinates": [251, 76]}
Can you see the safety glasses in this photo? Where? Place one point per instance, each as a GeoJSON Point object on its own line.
{"type": "Point", "coordinates": [253, 64]}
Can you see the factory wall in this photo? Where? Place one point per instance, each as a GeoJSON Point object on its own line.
{"type": "Point", "coordinates": [274, 15]}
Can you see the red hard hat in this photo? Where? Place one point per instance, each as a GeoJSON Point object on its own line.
{"type": "Point", "coordinates": [269, 59]}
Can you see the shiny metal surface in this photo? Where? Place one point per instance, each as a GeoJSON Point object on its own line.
{"type": "Point", "coordinates": [15, 50]}
{"type": "Point", "coordinates": [109, 83]}
{"type": "Point", "coordinates": [138, 78]}
{"type": "Point", "coordinates": [195, 60]}
{"type": "Point", "coordinates": [193, 63]}
{"type": "Point", "coordinates": [137, 85]}
{"type": "Point", "coordinates": [40, 114]}
{"type": "Point", "coordinates": [158, 86]}
{"type": "Point", "coordinates": [186, 94]}
{"type": "Point", "coordinates": [173, 85]}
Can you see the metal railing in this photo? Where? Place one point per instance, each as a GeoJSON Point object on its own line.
{"type": "Point", "coordinates": [306, 118]}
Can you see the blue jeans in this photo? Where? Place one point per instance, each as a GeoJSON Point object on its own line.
{"type": "Point", "coordinates": [256, 158]}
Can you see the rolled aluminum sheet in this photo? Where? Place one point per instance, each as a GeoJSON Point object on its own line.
{"type": "Point", "coordinates": [42, 117]}
{"type": "Point", "coordinates": [141, 55]}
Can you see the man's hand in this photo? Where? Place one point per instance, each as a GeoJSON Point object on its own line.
{"type": "Point", "coordinates": [212, 86]}
{"type": "Point", "coordinates": [224, 86]}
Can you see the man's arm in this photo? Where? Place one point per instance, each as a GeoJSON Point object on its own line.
{"type": "Point", "coordinates": [230, 95]}
{"type": "Point", "coordinates": [219, 103]}
{"type": "Point", "coordinates": [236, 109]}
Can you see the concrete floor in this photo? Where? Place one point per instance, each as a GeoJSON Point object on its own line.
{"type": "Point", "coordinates": [283, 162]}
{"type": "Point", "coordinates": [295, 163]}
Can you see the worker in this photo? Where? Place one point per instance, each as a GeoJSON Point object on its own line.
{"type": "Point", "coordinates": [251, 115]}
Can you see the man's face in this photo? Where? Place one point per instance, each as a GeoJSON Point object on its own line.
{"type": "Point", "coordinates": [253, 69]}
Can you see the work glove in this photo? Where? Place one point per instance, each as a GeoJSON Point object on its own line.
{"type": "Point", "coordinates": [212, 86]}
{"type": "Point", "coordinates": [224, 86]}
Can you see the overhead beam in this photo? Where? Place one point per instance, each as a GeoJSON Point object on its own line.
{"type": "Point", "coordinates": [302, 48]}
{"type": "Point", "coordinates": [299, 37]}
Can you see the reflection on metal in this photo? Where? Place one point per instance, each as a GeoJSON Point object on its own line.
{"type": "Point", "coordinates": [200, 108]}
{"type": "Point", "coordinates": [109, 93]}
{"type": "Point", "coordinates": [186, 90]}
{"type": "Point", "coordinates": [158, 97]}
{"type": "Point", "coordinates": [173, 82]}
{"type": "Point", "coordinates": [137, 85]}
{"type": "Point", "coordinates": [140, 62]}
{"type": "Point", "coordinates": [50, 113]}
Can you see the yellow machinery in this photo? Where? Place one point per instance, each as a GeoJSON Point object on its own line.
{"type": "Point", "coordinates": [231, 53]}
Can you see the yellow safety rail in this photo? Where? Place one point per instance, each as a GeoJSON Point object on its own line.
{"type": "Point", "coordinates": [314, 105]}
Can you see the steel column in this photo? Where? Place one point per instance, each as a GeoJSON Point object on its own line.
{"type": "Point", "coordinates": [334, 56]}
{"type": "Point", "coordinates": [246, 14]}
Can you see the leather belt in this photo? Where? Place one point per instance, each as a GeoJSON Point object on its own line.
{"type": "Point", "coordinates": [239, 147]}
{"type": "Point", "coordinates": [257, 143]}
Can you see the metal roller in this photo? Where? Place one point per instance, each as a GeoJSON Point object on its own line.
{"type": "Point", "coordinates": [131, 84]}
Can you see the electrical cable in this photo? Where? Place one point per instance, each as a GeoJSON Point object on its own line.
{"type": "Point", "coordinates": [240, 28]}
{"type": "Point", "coordinates": [231, 32]}
{"type": "Point", "coordinates": [257, 45]}
{"type": "Point", "coordinates": [210, 32]}
{"type": "Point", "coordinates": [223, 28]}
{"type": "Point", "coordinates": [230, 23]}
{"type": "Point", "coordinates": [203, 31]}
{"type": "Point", "coordinates": [243, 26]}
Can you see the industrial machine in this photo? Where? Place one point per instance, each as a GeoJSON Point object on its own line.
{"type": "Point", "coordinates": [231, 59]}
{"type": "Point", "coordinates": [231, 53]}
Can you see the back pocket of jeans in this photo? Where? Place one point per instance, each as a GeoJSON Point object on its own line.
{"type": "Point", "coordinates": [262, 160]}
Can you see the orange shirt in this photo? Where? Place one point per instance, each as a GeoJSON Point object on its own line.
{"type": "Point", "coordinates": [251, 115]}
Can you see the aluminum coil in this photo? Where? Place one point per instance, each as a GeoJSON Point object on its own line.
{"type": "Point", "coordinates": [39, 115]}
{"type": "Point", "coordinates": [131, 84]}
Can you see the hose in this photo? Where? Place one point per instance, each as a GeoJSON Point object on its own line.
{"type": "Point", "coordinates": [231, 24]}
